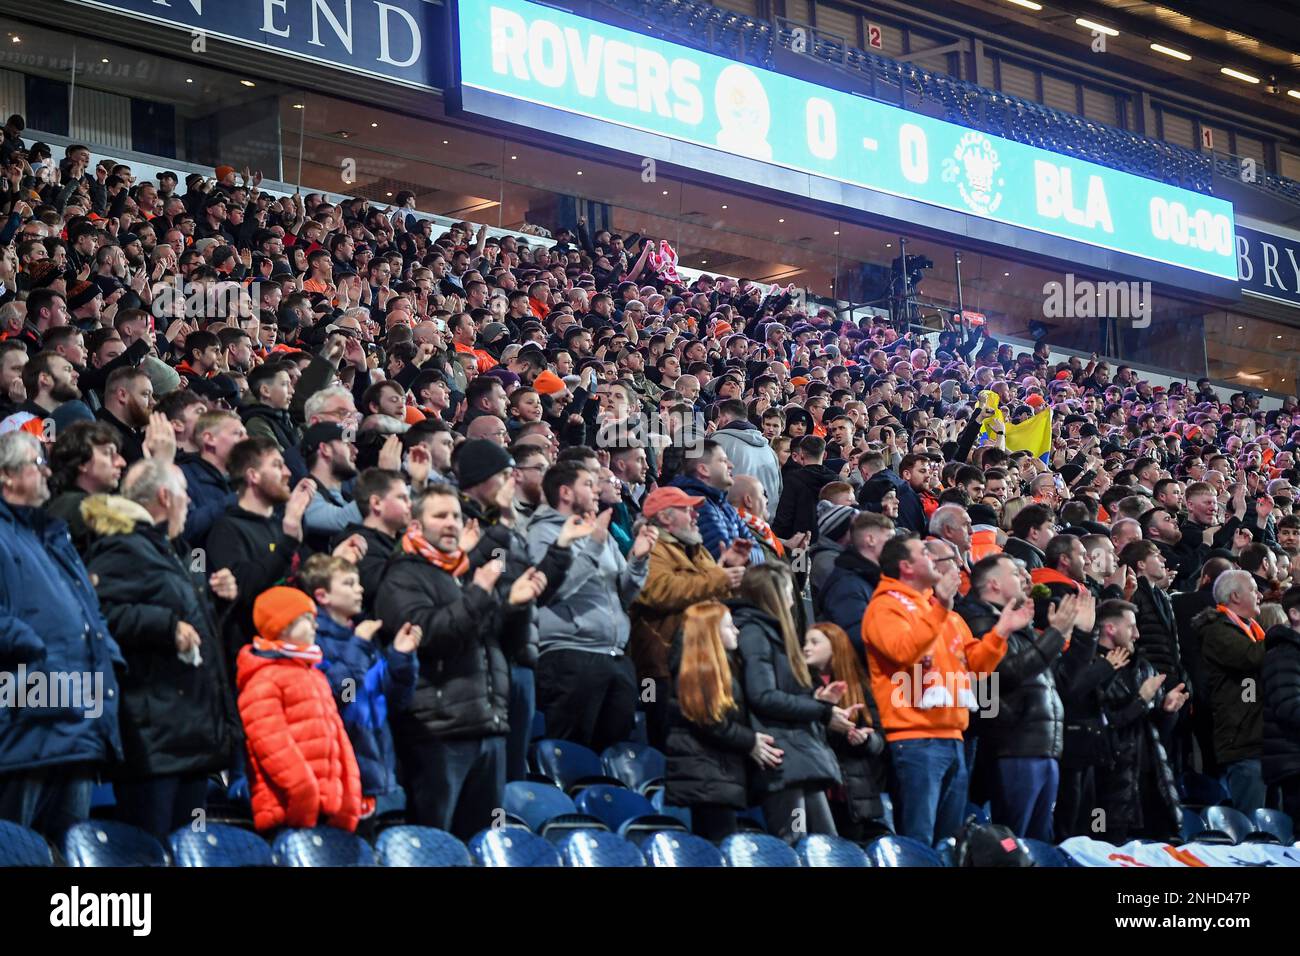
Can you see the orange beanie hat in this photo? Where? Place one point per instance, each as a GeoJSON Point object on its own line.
{"type": "Point", "coordinates": [276, 608]}
{"type": "Point", "coordinates": [548, 383]}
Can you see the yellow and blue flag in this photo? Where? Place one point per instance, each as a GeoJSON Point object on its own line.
{"type": "Point", "coordinates": [1033, 435]}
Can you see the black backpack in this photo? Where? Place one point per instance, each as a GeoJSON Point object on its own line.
{"type": "Point", "coordinates": [989, 844]}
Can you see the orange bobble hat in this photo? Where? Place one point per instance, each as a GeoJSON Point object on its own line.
{"type": "Point", "coordinates": [277, 608]}
{"type": "Point", "coordinates": [548, 383]}
{"type": "Point", "coordinates": [1034, 401]}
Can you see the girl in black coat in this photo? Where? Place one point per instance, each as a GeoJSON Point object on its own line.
{"type": "Point", "coordinates": [856, 806]}
{"type": "Point", "coordinates": [710, 742]}
{"type": "Point", "coordinates": [779, 692]}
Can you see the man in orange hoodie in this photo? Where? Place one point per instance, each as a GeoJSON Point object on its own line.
{"type": "Point", "coordinates": [464, 336]}
{"type": "Point", "coordinates": [1064, 572]}
{"type": "Point", "coordinates": [921, 655]}
{"type": "Point", "coordinates": [301, 767]}
{"type": "Point", "coordinates": [984, 532]}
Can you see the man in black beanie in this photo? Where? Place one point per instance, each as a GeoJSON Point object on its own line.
{"type": "Point", "coordinates": [486, 475]}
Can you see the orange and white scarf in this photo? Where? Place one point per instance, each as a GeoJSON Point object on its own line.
{"type": "Point", "coordinates": [414, 542]}
{"type": "Point", "coordinates": [302, 652]}
{"type": "Point", "coordinates": [763, 531]}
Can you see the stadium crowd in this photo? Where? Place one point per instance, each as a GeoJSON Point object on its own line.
{"type": "Point", "coordinates": [329, 501]}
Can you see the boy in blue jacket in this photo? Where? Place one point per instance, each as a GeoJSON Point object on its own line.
{"type": "Point", "coordinates": [367, 680]}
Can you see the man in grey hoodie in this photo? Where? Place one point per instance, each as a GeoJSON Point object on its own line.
{"type": "Point", "coordinates": [748, 450]}
{"type": "Point", "coordinates": [586, 684]}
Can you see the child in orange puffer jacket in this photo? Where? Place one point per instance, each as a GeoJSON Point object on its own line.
{"type": "Point", "coordinates": [301, 767]}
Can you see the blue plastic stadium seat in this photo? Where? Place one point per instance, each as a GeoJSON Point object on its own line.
{"type": "Point", "coordinates": [1193, 823]}
{"type": "Point", "coordinates": [536, 803]}
{"type": "Point", "coordinates": [20, 846]}
{"type": "Point", "coordinates": [556, 827]}
{"type": "Point", "coordinates": [218, 846]}
{"type": "Point", "coordinates": [1234, 823]}
{"type": "Point", "coordinates": [1199, 790]}
{"type": "Point", "coordinates": [613, 806]}
{"type": "Point", "coordinates": [571, 766]}
{"type": "Point", "coordinates": [1277, 823]}
{"type": "Point", "coordinates": [629, 814]}
{"type": "Point", "coordinates": [980, 811]}
{"type": "Point", "coordinates": [636, 829]}
{"type": "Point", "coordinates": [321, 846]}
{"type": "Point", "coordinates": [820, 850]}
{"type": "Point", "coordinates": [514, 848]}
{"type": "Point", "coordinates": [110, 843]}
{"type": "Point", "coordinates": [420, 846]}
{"type": "Point", "coordinates": [902, 851]}
{"type": "Point", "coordinates": [545, 809]}
{"type": "Point", "coordinates": [1045, 854]}
{"type": "Point", "coordinates": [583, 848]}
{"type": "Point", "coordinates": [538, 730]}
{"type": "Point", "coordinates": [681, 814]}
{"type": "Point", "coordinates": [757, 850]}
{"type": "Point", "coordinates": [680, 850]}
{"type": "Point", "coordinates": [638, 766]}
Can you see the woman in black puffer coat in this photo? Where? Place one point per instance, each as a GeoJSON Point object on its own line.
{"type": "Point", "coordinates": [178, 717]}
{"type": "Point", "coordinates": [779, 693]}
{"type": "Point", "coordinates": [710, 743]}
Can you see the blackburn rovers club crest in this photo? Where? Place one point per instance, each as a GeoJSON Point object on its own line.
{"type": "Point", "coordinates": [974, 167]}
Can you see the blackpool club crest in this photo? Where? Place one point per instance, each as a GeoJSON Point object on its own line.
{"type": "Point", "coordinates": [974, 167]}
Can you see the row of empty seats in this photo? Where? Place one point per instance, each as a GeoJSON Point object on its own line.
{"type": "Point", "coordinates": [571, 767]}
{"type": "Point", "coordinates": [549, 834]}
{"type": "Point", "coordinates": [1220, 824]}
{"type": "Point", "coordinates": [106, 843]}
{"type": "Point", "coordinates": [582, 809]}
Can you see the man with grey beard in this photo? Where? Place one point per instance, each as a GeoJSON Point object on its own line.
{"type": "Point", "coordinates": [682, 572]}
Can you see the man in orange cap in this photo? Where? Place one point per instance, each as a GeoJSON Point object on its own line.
{"type": "Point", "coordinates": [682, 572]}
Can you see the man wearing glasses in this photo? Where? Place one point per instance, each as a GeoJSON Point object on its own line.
{"type": "Point", "coordinates": [530, 466]}
{"type": "Point", "coordinates": [50, 621]}
{"type": "Point", "coordinates": [489, 428]}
